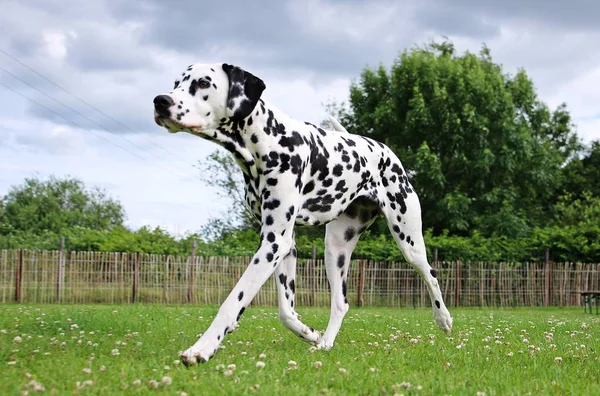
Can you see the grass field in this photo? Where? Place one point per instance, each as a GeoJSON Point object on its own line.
{"type": "Point", "coordinates": [133, 349]}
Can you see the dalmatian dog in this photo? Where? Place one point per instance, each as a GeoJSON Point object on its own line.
{"type": "Point", "coordinates": [295, 173]}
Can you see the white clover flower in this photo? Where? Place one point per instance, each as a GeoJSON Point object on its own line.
{"type": "Point", "coordinates": [152, 384]}
{"type": "Point", "coordinates": [17, 340]}
{"type": "Point", "coordinates": [36, 386]}
{"type": "Point", "coordinates": [137, 382]}
{"type": "Point", "coordinates": [115, 352]}
{"type": "Point", "coordinates": [318, 364]}
{"type": "Point", "coordinates": [558, 360]}
{"type": "Point", "coordinates": [260, 364]}
{"type": "Point", "coordinates": [262, 356]}
{"type": "Point", "coordinates": [166, 381]}
{"type": "Point", "coordinates": [87, 370]}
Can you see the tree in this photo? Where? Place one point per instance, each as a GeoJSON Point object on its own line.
{"type": "Point", "coordinates": [219, 170]}
{"type": "Point", "coordinates": [582, 175]}
{"type": "Point", "coordinates": [483, 152]}
{"type": "Point", "coordinates": [55, 205]}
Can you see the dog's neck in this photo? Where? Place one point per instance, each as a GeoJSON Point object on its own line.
{"type": "Point", "coordinates": [237, 136]}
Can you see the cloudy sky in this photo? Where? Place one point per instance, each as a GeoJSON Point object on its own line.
{"type": "Point", "coordinates": [116, 55]}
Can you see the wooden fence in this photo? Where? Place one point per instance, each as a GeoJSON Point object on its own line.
{"type": "Point", "coordinates": [102, 277]}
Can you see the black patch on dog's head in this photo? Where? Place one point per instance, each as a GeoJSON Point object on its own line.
{"type": "Point", "coordinates": [245, 90]}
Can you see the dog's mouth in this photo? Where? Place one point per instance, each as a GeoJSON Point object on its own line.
{"type": "Point", "coordinates": [175, 126]}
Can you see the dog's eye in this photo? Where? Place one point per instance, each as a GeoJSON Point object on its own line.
{"type": "Point", "coordinates": [203, 84]}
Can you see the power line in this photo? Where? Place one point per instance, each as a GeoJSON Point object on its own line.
{"type": "Point", "coordinates": [73, 122]}
{"type": "Point", "coordinates": [81, 115]}
{"type": "Point", "coordinates": [85, 103]}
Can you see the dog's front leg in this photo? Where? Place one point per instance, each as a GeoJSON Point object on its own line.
{"type": "Point", "coordinates": [272, 249]}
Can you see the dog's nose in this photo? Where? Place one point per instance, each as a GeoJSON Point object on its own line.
{"type": "Point", "coordinates": [162, 103]}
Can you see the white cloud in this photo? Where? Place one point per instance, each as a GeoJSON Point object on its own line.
{"type": "Point", "coordinates": [55, 44]}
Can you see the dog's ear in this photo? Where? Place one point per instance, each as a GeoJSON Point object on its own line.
{"type": "Point", "coordinates": [245, 90]}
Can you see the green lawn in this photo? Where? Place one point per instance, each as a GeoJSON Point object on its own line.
{"type": "Point", "coordinates": [108, 349]}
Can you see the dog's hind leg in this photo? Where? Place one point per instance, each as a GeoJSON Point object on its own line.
{"type": "Point", "coordinates": [402, 210]}
{"type": "Point", "coordinates": [286, 288]}
{"type": "Point", "coordinates": [341, 236]}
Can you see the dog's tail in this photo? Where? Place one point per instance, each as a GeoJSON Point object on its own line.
{"type": "Point", "coordinates": [336, 125]}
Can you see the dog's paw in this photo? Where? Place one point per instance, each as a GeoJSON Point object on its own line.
{"type": "Point", "coordinates": [443, 319]}
{"type": "Point", "coordinates": [324, 344]}
{"type": "Point", "coordinates": [193, 356]}
{"type": "Point", "coordinates": [311, 335]}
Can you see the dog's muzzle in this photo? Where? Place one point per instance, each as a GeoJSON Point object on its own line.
{"type": "Point", "coordinates": [162, 105]}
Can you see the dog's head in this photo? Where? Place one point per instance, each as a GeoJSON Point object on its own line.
{"type": "Point", "coordinates": [204, 95]}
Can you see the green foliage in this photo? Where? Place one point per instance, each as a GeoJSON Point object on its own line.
{"type": "Point", "coordinates": [221, 171]}
{"type": "Point", "coordinates": [583, 174]}
{"type": "Point", "coordinates": [55, 206]}
{"type": "Point", "coordinates": [484, 152]}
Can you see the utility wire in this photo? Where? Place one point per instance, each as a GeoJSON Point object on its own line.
{"type": "Point", "coordinates": [75, 123]}
{"type": "Point", "coordinates": [84, 102]}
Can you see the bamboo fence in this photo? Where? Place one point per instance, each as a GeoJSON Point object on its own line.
{"type": "Point", "coordinates": [104, 277]}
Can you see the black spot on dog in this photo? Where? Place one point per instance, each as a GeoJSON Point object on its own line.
{"type": "Point", "coordinates": [273, 204]}
{"type": "Point", "coordinates": [240, 313]}
{"type": "Point", "coordinates": [433, 272]}
{"type": "Point", "coordinates": [349, 233]}
{"type": "Point", "coordinates": [283, 280]}
{"type": "Point", "coordinates": [338, 170]}
{"type": "Point", "coordinates": [269, 220]}
{"type": "Point", "coordinates": [293, 286]}
{"type": "Point", "coordinates": [308, 187]}
{"type": "Point", "coordinates": [240, 296]}
{"type": "Point", "coordinates": [437, 304]}
{"type": "Point", "coordinates": [341, 260]}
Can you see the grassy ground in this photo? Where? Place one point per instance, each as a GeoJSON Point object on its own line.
{"type": "Point", "coordinates": [122, 349]}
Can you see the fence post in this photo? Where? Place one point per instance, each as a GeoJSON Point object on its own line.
{"type": "Point", "coordinates": [435, 257]}
{"type": "Point", "coordinates": [60, 270]}
{"type": "Point", "coordinates": [458, 285]}
{"type": "Point", "coordinates": [191, 272]}
{"type": "Point", "coordinates": [136, 277]}
{"type": "Point", "coordinates": [548, 278]}
{"type": "Point", "coordinates": [313, 276]}
{"type": "Point", "coordinates": [361, 282]}
{"type": "Point", "coordinates": [18, 276]}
